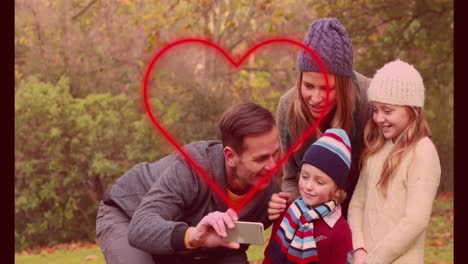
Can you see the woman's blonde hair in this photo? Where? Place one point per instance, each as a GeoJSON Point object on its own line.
{"type": "Point", "coordinates": [300, 119]}
{"type": "Point", "coordinates": [374, 140]}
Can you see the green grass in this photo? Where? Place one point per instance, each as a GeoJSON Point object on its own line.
{"type": "Point", "coordinates": [80, 255]}
{"type": "Point", "coordinates": [439, 236]}
{"type": "Point", "coordinates": [438, 248]}
{"type": "Point", "coordinates": [255, 252]}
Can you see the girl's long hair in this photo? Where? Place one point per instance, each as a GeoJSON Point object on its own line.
{"type": "Point", "coordinates": [374, 141]}
{"type": "Point", "coordinates": [300, 119]}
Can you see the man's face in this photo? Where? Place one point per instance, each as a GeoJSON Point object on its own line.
{"type": "Point", "coordinates": [258, 157]}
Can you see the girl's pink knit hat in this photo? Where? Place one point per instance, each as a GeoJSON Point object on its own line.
{"type": "Point", "coordinates": [397, 83]}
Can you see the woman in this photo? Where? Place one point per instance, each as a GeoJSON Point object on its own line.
{"type": "Point", "coordinates": [301, 106]}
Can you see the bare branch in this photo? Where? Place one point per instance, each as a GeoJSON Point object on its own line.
{"type": "Point", "coordinates": [82, 11]}
{"type": "Point", "coordinates": [265, 69]}
{"type": "Point", "coordinates": [40, 34]}
{"type": "Point", "coordinates": [171, 8]}
{"type": "Point", "coordinates": [243, 24]}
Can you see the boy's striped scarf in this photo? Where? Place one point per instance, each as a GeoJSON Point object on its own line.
{"type": "Point", "coordinates": [294, 240]}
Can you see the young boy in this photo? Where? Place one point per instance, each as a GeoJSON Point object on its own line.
{"type": "Point", "coordinates": [312, 230]}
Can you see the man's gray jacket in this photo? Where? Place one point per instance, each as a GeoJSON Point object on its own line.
{"type": "Point", "coordinates": [164, 198]}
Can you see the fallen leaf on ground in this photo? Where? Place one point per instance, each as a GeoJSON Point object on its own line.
{"type": "Point", "coordinates": [73, 246]}
{"type": "Point", "coordinates": [437, 243]}
{"type": "Point", "coordinates": [91, 258]}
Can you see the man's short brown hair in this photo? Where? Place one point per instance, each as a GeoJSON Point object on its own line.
{"type": "Point", "coordinates": [244, 120]}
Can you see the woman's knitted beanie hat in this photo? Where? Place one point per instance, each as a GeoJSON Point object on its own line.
{"type": "Point", "coordinates": [397, 83]}
{"type": "Point", "coordinates": [331, 153]}
{"type": "Point", "coordinates": [328, 39]}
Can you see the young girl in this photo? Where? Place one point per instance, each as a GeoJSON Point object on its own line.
{"type": "Point", "coordinates": [313, 230]}
{"type": "Point", "coordinates": [391, 206]}
{"type": "Point", "coordinates": [301, 106]}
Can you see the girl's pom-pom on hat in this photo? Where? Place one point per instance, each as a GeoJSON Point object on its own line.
{"type": "Point", "coordinates": [397, 83]}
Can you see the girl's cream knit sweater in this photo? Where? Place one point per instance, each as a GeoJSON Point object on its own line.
{"type": "Point", "coordinates": [392, 229]}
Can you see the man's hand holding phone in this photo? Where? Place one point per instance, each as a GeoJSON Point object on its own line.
{"type": "Point", "coordinates": [222, 229]}
{"type": "Point", "coordinates": [211, 230]}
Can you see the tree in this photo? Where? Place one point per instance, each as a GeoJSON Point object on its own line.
{"type": "Point", "coordinates": [419, 32]}
{"type": "Point", "coordinates": [95, 45]}
{"type": "Point", "coordinates": [67, 152]}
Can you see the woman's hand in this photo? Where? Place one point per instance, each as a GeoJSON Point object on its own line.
{"type": "Point", "coordinates": [278, 204]}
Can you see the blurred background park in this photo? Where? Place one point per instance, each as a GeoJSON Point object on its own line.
{"type": "Point", "coordinates": [79, 116]}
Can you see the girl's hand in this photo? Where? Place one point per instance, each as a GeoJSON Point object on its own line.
{"type": "Point", "coordinates": [278, 204]}
{"type": "Point", "coordinates": [360, 256]}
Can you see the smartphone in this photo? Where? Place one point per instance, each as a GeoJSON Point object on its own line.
{"type": "Point", "coordinates": [246, 233]}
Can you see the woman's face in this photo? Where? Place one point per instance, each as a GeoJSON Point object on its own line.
{"type": "Point", "coordinates": [314, 92]}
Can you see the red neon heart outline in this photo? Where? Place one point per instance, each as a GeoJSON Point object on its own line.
{"type": "Point", "coordinates": [236, 64]}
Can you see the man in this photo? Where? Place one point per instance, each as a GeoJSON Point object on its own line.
{"type": "Point", "coordinates": [165, 212]}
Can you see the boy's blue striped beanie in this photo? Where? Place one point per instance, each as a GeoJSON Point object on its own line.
{"type": "Point", "coordinates": [331, 154]}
